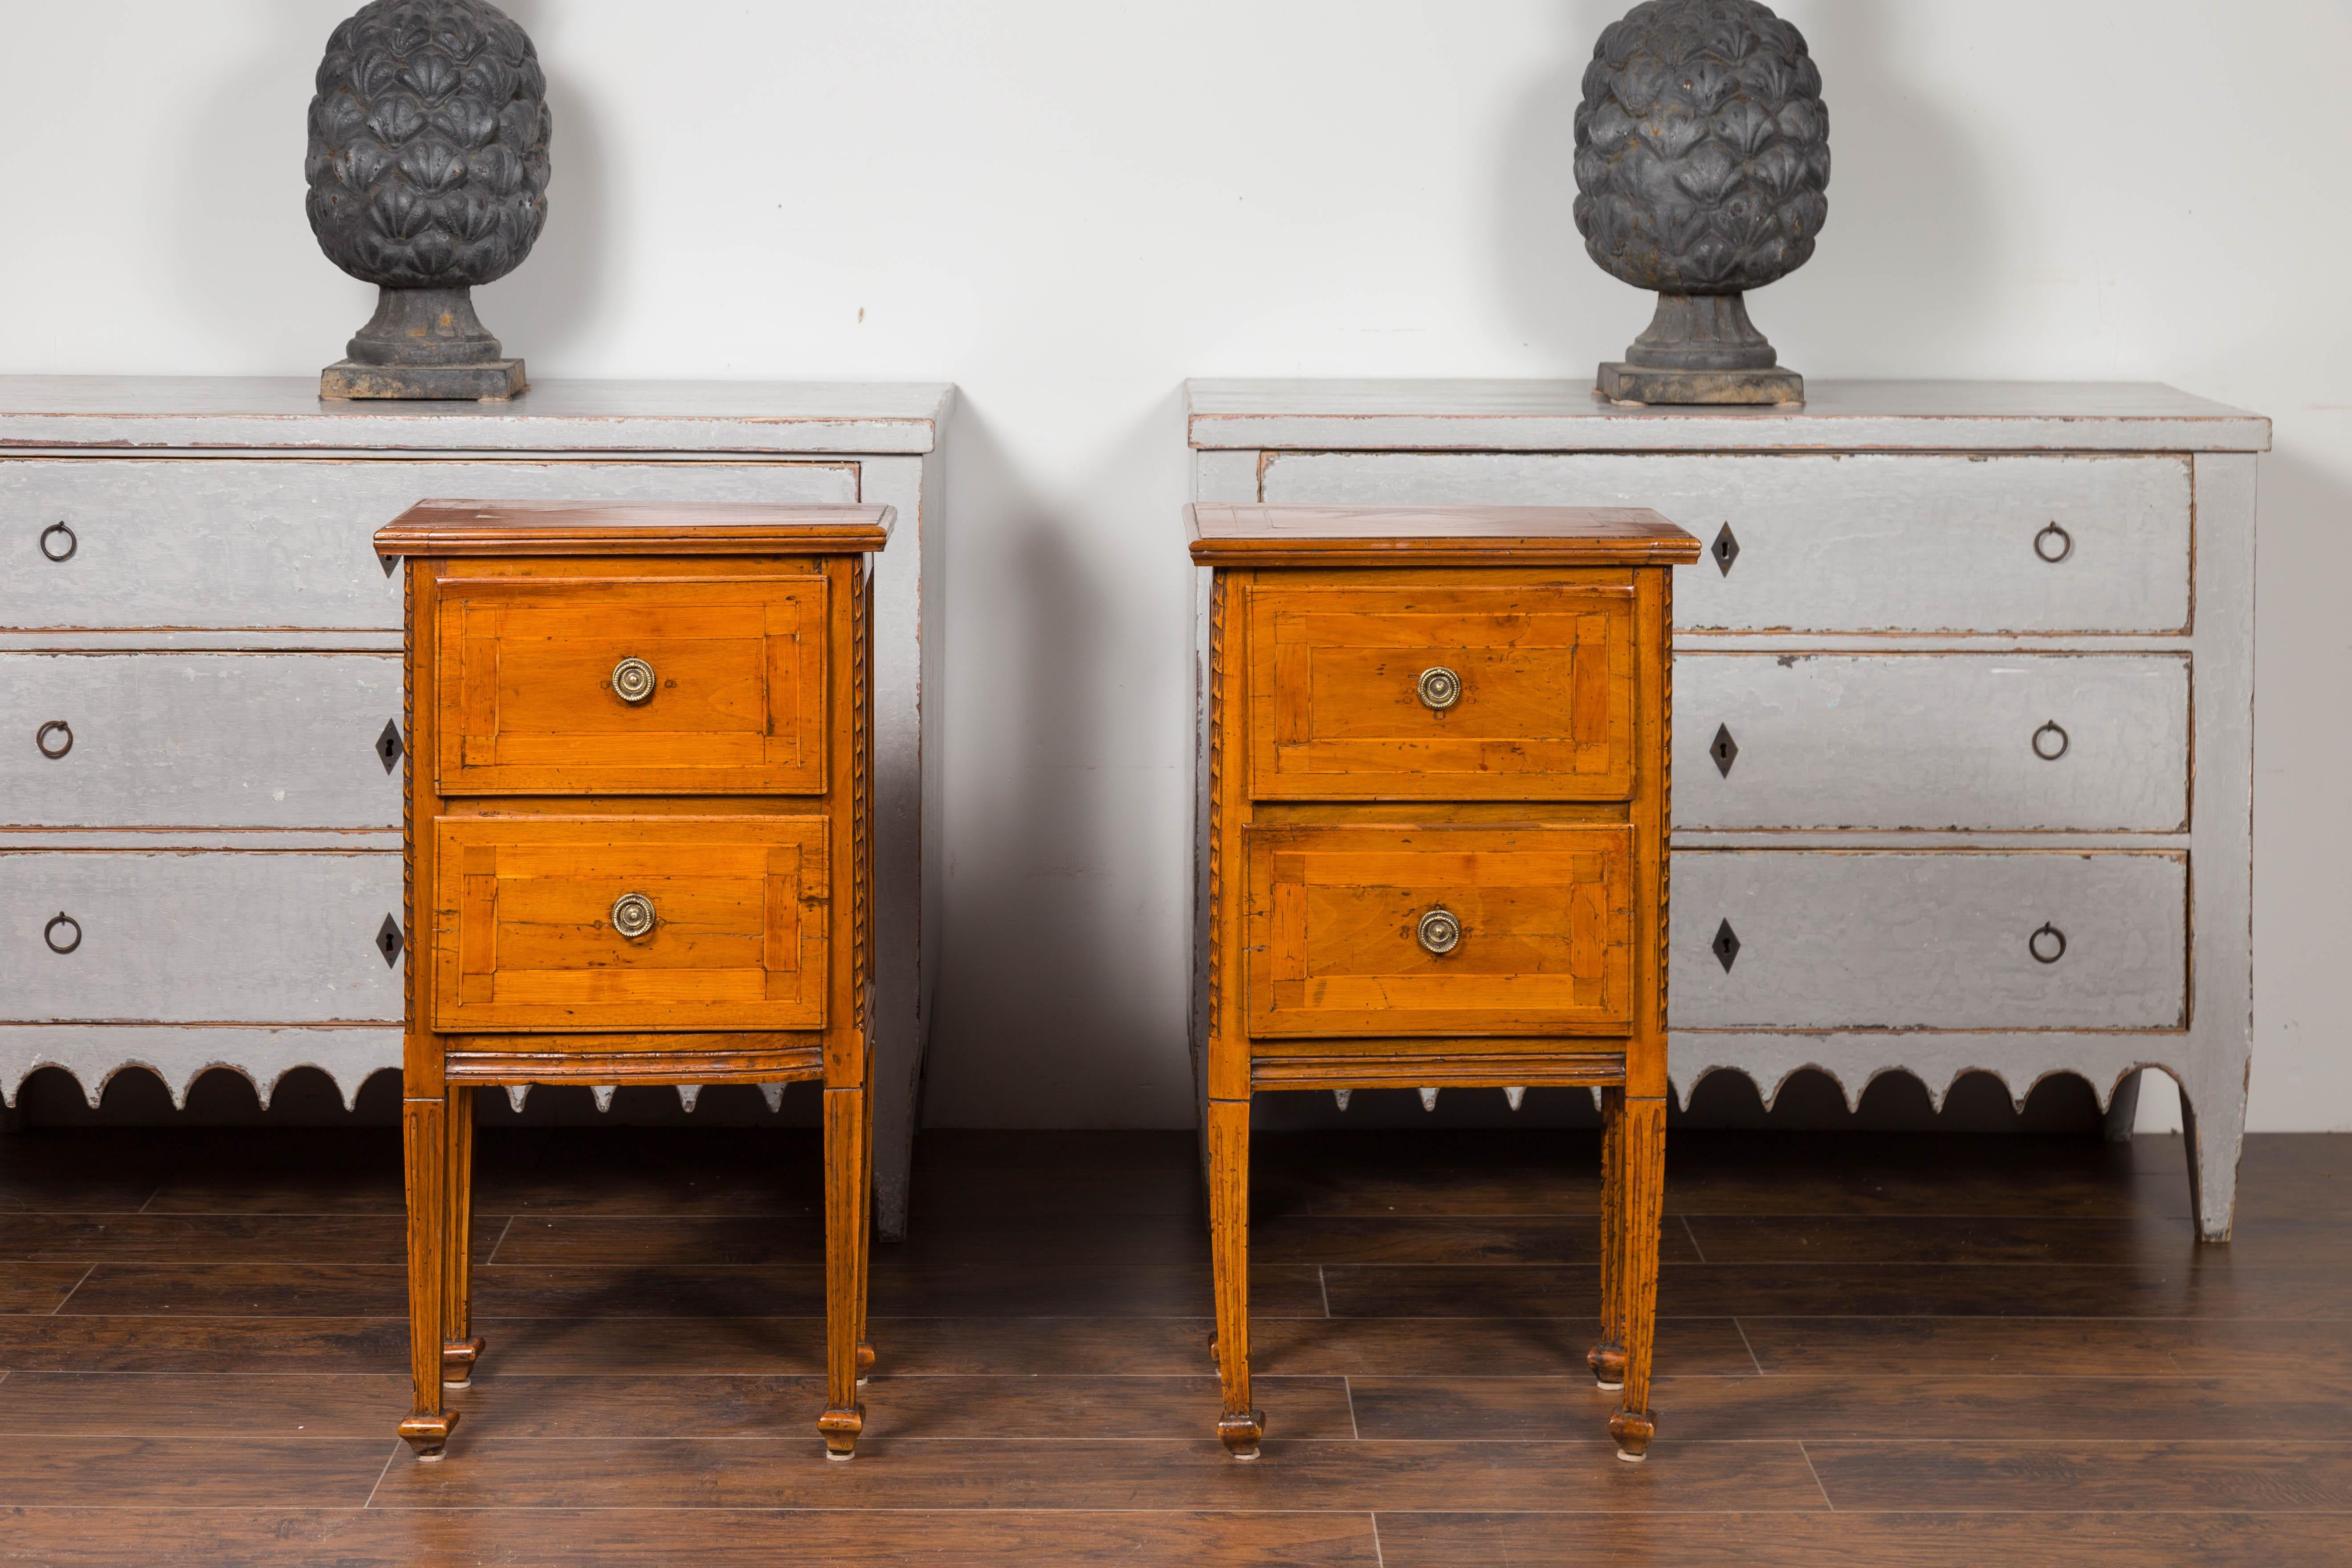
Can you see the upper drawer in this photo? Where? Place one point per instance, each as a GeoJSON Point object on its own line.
{"type": "Point", "coordinates": [280, 739]}
{"type": "Point", "coordinates": [629, 923]}
{"type": "Point", "coordinates": [536, 693]}
{"type": "Point", "coordinates": [222, 937]}
{"type": "Point", "coordinates": [2017, 741]}
{"type": "Point", "coordinates": [1442, 693]}
{"type": "Point", "coordinates": [276, 544]}
{"type": "Point", "coordinates": [1863, 543]}
{"type": "Point", "coordinates": [1421, 931]}
{"type": "Point", "coordinates": [1955, 940]}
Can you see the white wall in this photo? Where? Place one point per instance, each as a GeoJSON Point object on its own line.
{"type": "Point", "coordinates": [1068, 206]}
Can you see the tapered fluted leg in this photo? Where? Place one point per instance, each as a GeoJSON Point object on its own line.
{"type": "Point", "coordinates": [1643, 1155]}
{"type": "Point", "coordinates": [1607, 1357]}
{"type": "Point", "coordinates": [865, 1236]}
{"type": "Point", "coordinates": [460, 1347]}
{"type": "Point", "coordinates": [1241, 1426]}
{"type": "Point", "coordinates": [424, 1138]}
{"type": "Point", "coordinates": [844, 1242]}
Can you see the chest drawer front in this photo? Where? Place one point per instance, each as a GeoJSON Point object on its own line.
{"type": "Point", "coordinates": [536, 700]}
{"type": "Point", "coordinates": [1348, 691]}
{"type": "Point", "coordinates": [197, 740]}
{"type": "Point", "coordinates": [1932, 740]}
{"type": "Point", "coordinates": [1860, 542]}
{"type": "Point", "coordinates": [288, 542]}
{"type": "Point", "coordinates": [219, 937]}
{"type": "Point", "coordinates": [530, 930]}
{"type": "Point", "coordinates": [1338, 939]}
{"type": "Point", "coordinates": [1865, 941]}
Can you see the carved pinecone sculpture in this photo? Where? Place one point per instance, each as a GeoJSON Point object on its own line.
{"type": "Point", "coordinates": [1702, 148]}
{"type": "Point", "coordinates": [428, 145]}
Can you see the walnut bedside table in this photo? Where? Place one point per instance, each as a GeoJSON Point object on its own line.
{"type": "Point", "coordinates": [1432, 847]}
{"type": "Point", "coordinates": [638, 844]}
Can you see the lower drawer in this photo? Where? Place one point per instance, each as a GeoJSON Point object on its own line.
{"type": "Point", "coordinates": [228, 937]}
{"type": "Point", "coordinates": [1419, 930]}
{"type": "Point", "coordinates": [629, 923]}
{"type": "Point", "coordinates": [204, 740]}
{"type": "Point", "coordinates": [1958, 939]}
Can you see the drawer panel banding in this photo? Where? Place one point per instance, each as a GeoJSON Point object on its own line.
{"type": "Point", "coordinates": [1540, 681]}
{"type": "Point", "coordinates": [735, 703]}
{"type": "Point", "coordinates": [1854, 542]}
{"type": "Point", "coordinates": [526, 914]}
{"type": "Point", "coordinates": [2017, 742]}
{"type": "Point", "coordinates": [1893, 940]}
{"type": "Point", "coordinates": [1544, 915]}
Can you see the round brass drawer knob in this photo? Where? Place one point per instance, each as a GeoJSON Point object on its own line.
{"type": "Point", "coordinates": [633, 915]}
{"type": "Point", "coordinates": [633, 682]}
{"type": "Point", "coordinates": [1438, 688]}
{"type": "Point", "coordinates": [1439, 933]}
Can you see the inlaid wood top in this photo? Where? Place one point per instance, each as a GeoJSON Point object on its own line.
{"type": "Point", "coordinates": [1436, 535]}
{"type": "Point", "coordinates": [669, 528]}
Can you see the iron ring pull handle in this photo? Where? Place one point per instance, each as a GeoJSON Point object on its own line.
{"type": "Point", "coordinates": [634, 682]}
{"type": "Point", "coordinates": [2033, 944]}
{"type": "Point", "coordinates": [1438, 933]}
{"type": "Point", "coordinates": [2052, 728]}
{"type": "Point", "coordinates": [1438, 688]}
{"type": "Point", "coordinates": [2065, 543]}
{"type": "Point", "coordinates": [49, 932]}
{"type": "Point", "coordinates": [41, 739]}
{"type": "Point", "coordinates": [72, 543]}
{"type": "Point", "coordinates": [633, 915]}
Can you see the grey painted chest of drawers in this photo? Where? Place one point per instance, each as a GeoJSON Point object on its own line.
{"type": "Point", "coordinates": [200, 654]}
{"type": "Point", "coordinates": [1963, 707]}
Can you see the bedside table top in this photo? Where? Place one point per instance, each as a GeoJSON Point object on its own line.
{"type": "Point", "coordinates": [632, 528]}
{"type": "Point", "coordinates": [1226, 535]}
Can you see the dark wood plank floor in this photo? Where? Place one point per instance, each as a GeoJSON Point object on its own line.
{"type": "Point", "coordinates": [1876, 1350]}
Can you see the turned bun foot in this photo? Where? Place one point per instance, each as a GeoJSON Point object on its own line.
{"type": "Point", "coordinates": [457, 1359]}
{"type": "Point", "coordinates": [1633, 1429]}
{"type": "Point", "coordinates": [1608, 1364]}
{"type": "Point", "coordinates": [428, 1435]}
{"type": "Point", "coordinates": [1240, 1434]}
{"type": "Point", "coordinates": [840, 1429]}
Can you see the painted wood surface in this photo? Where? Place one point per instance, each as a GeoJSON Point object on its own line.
{"type": "Point", "coordinates": [1889, 940]}
{"type": "Point", "coordinates": [223, 937]}
{"type": "Point", "coordinates": [233, 740]}
{"type": "Point", "coordinates": [286, 412]}
{"type": "Point", "coordinates": [1837, 415]}
{"type": "Point", "coordinates": [287, 543]}
{"type": "Point", "coordinates": [1864, 543]}
{"type": "Point", "coordinates": [2014, 742]}
{"type": "Point", "coordinates": [95, 1053]}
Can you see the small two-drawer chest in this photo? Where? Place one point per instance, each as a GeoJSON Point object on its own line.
{"type": "Point", "coordinates": [1965, 740]}
{"type": "Point", "coordinates": [638, 847]}
{"type": "Point", "coordinates": [1433, 846]}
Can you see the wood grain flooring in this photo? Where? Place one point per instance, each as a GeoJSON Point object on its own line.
{"type": "Point", "coordinates": [1898, 1352]}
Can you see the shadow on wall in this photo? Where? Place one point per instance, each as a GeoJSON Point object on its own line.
{"type": "Point", "coordinates": [1901, 282]}
{"type": "Point", "coordinates": [1061, 990]}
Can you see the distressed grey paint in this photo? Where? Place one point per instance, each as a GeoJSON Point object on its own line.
{"type": "Point", "coordinates": [1933, 741]}
{"type": "Point", "coordinates": [220, 937]}
{"type": "Point", "coordinates": [233, 515]}
{"type": "Point", "coordinates": [1515, 441]}
{"type": "Point", "coordinates": [1866, 542]}
{"type": "Point", "coordinates": [95, 1053]}
{"type": "Point", "coordinates": [220, 739]}
{"type": "Point", "coordinates": [1839, 939]}
{"type": "Point", "coordinates": [287, 543]}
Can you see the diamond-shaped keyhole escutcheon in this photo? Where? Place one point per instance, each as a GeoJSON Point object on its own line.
{"type": "Point", "coordinates": [1725, 750]}
{"type": "Point", "coordinates": [387, 745]}
{"type": "Point", "coordinates": [1725, 550]}
{"type": "Point", "coordinates": [1725, 945]}
{"type": "Point", "coordinates": [389, 941]}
